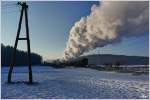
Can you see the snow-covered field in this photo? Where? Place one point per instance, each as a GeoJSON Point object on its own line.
{"type": "Point", "coordinates": [81, 83]}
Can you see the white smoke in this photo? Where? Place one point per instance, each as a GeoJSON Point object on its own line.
{"type": "Point", "coordinates": [108, 23]}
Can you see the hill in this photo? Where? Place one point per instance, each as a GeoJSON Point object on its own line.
{"type": "Point", "coordinates": [100, 59]}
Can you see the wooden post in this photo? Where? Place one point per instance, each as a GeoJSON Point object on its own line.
{"type": "Point", "coordinates": [28, 45]}
{"type": "Point", "coordinates": [24, 9]}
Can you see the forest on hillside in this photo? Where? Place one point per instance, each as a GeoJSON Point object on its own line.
{"type": "Point", "coordinates": [21, 57]}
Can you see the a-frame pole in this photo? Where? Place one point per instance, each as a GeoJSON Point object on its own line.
{"type": "Point", "coordinates": [24, 9]}
{"type": "Point", "coordinates": [15, 47]}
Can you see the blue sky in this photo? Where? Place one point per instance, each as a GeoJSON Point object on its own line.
{"type": "Point", "coordinates": [49, 26]}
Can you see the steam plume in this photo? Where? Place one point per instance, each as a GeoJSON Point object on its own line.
{"type": "Point", "coordinates": [108, 23]}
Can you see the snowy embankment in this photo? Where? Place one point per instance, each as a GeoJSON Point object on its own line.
{"type": "Point", "coordinates": [81, 83]}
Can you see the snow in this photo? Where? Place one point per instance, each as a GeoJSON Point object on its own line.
{"type": "Point", "coordinates": [74, 83]}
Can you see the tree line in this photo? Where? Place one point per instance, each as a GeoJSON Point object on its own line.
{"type": "Point", "coordinates": [21, 57]}
{"type": "Point", "coordinates": [36, 59]}
{"type": "Point", "coordinates": [80, 62]}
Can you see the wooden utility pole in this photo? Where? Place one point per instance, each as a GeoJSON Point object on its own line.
{"type": "Point", "coordinates": [23, 11]}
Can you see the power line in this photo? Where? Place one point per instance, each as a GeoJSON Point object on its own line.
{"type": "Point", "coordinates": [8, 4]}
{"type": "Point", "coordinates": [10, 12]}
{"type": "Point", "coordinates": [10, 8]}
